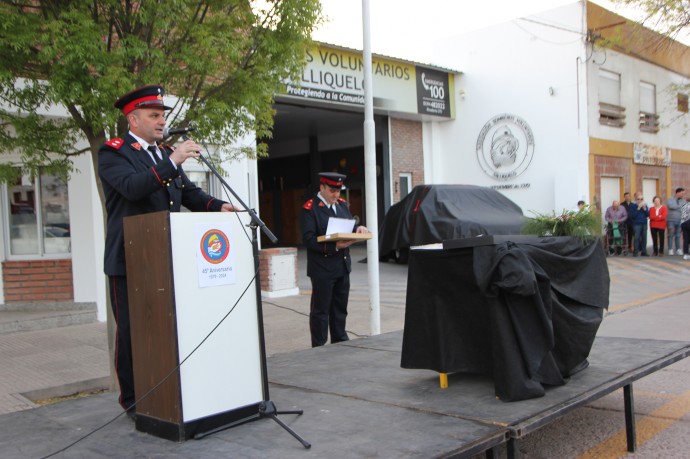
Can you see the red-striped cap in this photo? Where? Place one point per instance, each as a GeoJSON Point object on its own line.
{"type": "Point", "coordinates": [150, 96]}
{"type": "Point", "coordinates": [332, 179]}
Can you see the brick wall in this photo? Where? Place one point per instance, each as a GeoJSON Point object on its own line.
{"type": "Point", "coordinates": [267, 270]}
{"type": "Point", "coordinates": [605, 166]}
{"type": "Point", "coordinates": [680, 177]}
{"type": "Point", "coordinates": [407, 155]}
{"type": "Point", "coordinates": [38, 280]}
{"type": "Point", "coordinates": [652, 172]}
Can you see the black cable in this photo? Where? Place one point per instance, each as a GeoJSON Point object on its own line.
{"type": "Point", "coordinates": [286, 308]}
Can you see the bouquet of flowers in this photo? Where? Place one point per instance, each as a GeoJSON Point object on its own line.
{"type": "Point", "coordinates": [579, 223]}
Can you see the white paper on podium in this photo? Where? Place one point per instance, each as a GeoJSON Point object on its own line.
{"type": "Point", "coordinates": [340, 225]}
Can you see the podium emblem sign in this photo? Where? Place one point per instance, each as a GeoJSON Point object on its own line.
{"type": "Point", "coordinates": [216, 257]}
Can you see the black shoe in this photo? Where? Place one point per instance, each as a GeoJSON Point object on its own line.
{"type": "Point", "coordinates": [645, 254]}
{"type": "Point", "coordinates": [131, 414]}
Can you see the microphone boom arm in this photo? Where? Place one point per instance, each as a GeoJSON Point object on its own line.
{"type": "Point", "coordinates": [255, 218]}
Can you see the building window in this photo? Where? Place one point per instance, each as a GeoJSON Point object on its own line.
{"type": "Point", "coordinates": [405, 185]}
{"type": "Point", "coordinates": [200, 179]}
{"type": "Point", "coordinates": [610, 111]}
{"type": "Point", "coordinates": [683, 103]}
{"type": "Point", "coordinates": [649, 120]}
{"type": "Point", "coordinates": [37, 217]}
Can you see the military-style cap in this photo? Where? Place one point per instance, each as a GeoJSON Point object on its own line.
{"type": "Point", "coordinates": [150, 96]}
{"type": "Point", "coordinates": [332, 179]}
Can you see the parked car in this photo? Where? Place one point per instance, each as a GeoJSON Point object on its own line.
{"type": "Point", "coordinates": [434, 213]}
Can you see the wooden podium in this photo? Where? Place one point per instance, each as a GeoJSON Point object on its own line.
{"type": "Point", "coordinates": [175, 302]}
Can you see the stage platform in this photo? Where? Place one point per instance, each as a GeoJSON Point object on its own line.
{"type": "Point", "coordinates": [357, 402]}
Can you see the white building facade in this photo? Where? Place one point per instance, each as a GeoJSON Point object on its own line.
{"type": "Point", "coordinates": [549, 118]}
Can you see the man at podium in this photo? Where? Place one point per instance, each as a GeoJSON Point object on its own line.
{"type": "Point", "coordinates": [140, 175]}
{"type": "Point", "coordinates": [328, 263]}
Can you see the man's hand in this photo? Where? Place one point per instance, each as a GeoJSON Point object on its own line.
{"type": "Point", "coordinates": [345, 244]}
{"type": "Point", "coordinates": [227, 207]}
{"type": "Point", "coordinates": [187, 149]}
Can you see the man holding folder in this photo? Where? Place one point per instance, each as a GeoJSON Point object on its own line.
{"type": "Point", "coordinates": [328, 263]}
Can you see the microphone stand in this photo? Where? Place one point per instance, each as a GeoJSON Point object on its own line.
{"type": "Point", "coordinates": [267, 408]}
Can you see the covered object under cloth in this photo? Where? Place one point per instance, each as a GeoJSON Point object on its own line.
{"type": "Point", "coordinates": [434, 213]}
{"type": "Point", "coordinates": [525, 313]}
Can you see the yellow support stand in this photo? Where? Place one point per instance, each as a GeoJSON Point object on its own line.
{"type": "Point", "coordinates": [443, 380]}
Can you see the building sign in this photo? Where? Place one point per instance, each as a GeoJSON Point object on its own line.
{"type": "Point", "coordinates": [336, 76]}
{"type": "Point", "coordinates": [651, 155]}
{"type": "Point", "coordinates": [432, 92]}
{"type": "Point", "coordinates": [505, 147]}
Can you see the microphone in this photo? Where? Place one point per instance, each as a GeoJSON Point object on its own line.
{"type": "Point", "coordinates": [168, 132]}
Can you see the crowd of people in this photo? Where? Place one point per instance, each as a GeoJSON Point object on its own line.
{"type": "Point", "coordinates": [669, 224]}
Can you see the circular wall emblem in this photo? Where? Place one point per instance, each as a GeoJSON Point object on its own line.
{"type": "Point", "coordinates": [505, 147]}
{"type": "Point", "coordinates": [214, 246]}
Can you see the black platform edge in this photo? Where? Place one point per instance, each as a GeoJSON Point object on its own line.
{"type": "Point", "coordinates": [517, 431]}
{"type": "Point", "coordinates": [185, 431]}
{"type": "Point", "coordinates": [478, 446]}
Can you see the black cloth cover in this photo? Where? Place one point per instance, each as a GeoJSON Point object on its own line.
{"type": "Point", "coordinates": [525, 314]}
{"type": "Point", "coordinates": [434, 213]}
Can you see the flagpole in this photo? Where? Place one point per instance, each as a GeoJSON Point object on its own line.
{"type": "Point", "coordinates": [370, 177]}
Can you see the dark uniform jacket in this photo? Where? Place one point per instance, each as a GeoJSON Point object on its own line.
{"type": "Point", "coordinates": [133, 185]}
{"type": "Point", "coordinates": [323, 261]}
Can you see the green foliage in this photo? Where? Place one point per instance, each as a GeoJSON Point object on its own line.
{"type": "Point", "coordinates": [583, 223]}
{"type": "Point", "coordinates": [669, 17]}
{"type": "Point", "coordinates": [225, 60]}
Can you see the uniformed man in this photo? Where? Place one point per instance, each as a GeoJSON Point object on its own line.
{"type": "Point", "coordinates": [328, 263]}
{"type": "Point", "coordinates": [140, 175]}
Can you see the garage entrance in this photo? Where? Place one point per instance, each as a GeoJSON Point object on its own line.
{"type": "Point", "coordinates": [308, 140]}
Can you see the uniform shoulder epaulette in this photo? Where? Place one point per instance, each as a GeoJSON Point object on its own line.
{"type": "Point", "coordinates": [342, 200]}
{"type": "Point", "coordinates": [309, 204]}
{"type": "Point", "coordinates": [115, 143]}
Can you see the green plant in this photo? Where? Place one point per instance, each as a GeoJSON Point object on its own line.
{"type": "Point", "coordinates": [584, 223]}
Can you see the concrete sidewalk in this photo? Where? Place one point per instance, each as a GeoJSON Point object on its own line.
{"type": "Point", "coordinates": [649, 299]}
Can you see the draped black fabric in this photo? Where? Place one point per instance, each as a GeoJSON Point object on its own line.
{"type": "Point", "coordinates": [524, 313]}
{"type": "Point", "coordinates": [434, 213]}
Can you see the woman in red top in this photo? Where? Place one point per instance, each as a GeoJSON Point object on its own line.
{"type": "Point", "coordinates": [657, 225]}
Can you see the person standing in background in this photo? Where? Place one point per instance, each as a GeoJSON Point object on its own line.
{"type": "Point", "coordinates": [685, 227]}
{"type": "Point", "coordinates": [657, 225]}
{"type": "Point", "coordinates": [639, 212]}
{"type": "Point", "coordinates": [628, 223]}
{"type": "Point", "coordinates": [616, 214]}
{"type": "Point", "coordinates": [615, 217]}
{"type": "Point", "coordinates": [674, 205]}
{"type": "Point", "coordinates": [328, 263]}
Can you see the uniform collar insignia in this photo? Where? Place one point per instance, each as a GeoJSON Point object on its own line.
{"type": "Point", "coordinates": [136, 146]}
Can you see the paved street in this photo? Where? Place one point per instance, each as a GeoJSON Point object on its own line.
{"type": "Point", "coordinates": [650, 298]}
